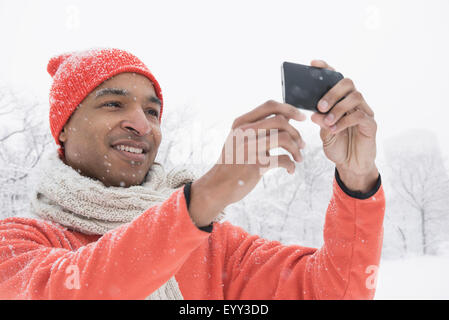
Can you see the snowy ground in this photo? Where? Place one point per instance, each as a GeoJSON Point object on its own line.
{"type": "Point", "coordinates": [424, 277]}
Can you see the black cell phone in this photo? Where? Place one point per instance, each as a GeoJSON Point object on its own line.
{"type": "Point", "coordinates": [303, 86]}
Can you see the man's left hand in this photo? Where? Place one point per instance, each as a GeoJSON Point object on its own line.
{"type": "Point", "coordinates": [348, 133]}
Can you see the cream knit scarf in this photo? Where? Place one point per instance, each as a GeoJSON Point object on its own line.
{"type": "Point", "coordinates": [60, 194]}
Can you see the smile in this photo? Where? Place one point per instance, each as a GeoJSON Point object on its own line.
{"type": "Point", "coordinates": [128, 149]}
{"type": "Point", "coordinates": [130, 154]}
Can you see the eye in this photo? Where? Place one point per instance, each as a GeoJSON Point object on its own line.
{"type": "Point", "coordinates": [153, 112]}
{"type": "Point", "coordinates": [112, 104]}
{"type": "Point", "coordinates": [115, 104]}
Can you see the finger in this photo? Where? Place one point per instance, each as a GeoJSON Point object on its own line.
{"type": "Point", "coordinates": [278, 122]}
{"type": "Point", "coordinates": [336, 93]}
{"type": "Point", "coordinates": [358, 96]}
{"type": "Point", "coordinates": [357, 118]}
{"type": "Point", "coordinates": [280, 161]}
{"type": "Point", "coordinates": [321, 64]}
{"type": "Point", "coordinates": [351, 101]}
{"type": "Point", "coordinates": [326, 135]}
{"type": "Point", "coordinates": [268, 108]}
{"type": "Point", "coordinates": [278, 140]}
{"type": "Point", "coordinates": [318, 118]}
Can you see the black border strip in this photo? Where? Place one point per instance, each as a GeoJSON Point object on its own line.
{"type": "Point", "coordinates": [187, 187]}
{"type": "Point", "coordinates": [358, 194]}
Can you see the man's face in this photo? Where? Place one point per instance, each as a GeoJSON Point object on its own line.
{"type": "Point", "coordinates": [121, 111]}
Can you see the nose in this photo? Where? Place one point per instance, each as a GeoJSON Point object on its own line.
{"type": "Point", "coordinates": [137, 122]}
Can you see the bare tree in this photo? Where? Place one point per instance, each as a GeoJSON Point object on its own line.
{"type": "Point", "coordinates": [421, 181]}
{"type": "Point", "coordinates": [21, 147]}
{"type": "Point", "coordinates": [308, 194]}
{"type": "Point", "coordinates": [185, 139]}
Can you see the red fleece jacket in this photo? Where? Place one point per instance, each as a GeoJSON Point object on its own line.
{"type": "Point", "coordinates": [43, 260]}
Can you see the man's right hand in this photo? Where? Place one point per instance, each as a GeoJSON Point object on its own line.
{"type": "Point", "coordinates": [245, 158]}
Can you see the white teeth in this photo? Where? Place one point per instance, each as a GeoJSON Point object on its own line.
{"type": "Point", "coordinates": [128, 149]}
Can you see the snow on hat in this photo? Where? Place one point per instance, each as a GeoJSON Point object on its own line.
{"type": "Point", "coordinates": [76, 74]}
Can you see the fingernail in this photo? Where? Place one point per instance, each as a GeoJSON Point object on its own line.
{"type": "Point", "coordinates": [322, 105]}
{"type": "Point", "coordinates": [329, 118]}
{"type": "Point", "coordinates": [333, 128]}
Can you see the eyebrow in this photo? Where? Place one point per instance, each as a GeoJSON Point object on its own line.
{"type": "Point", "coordinates": [123, 92]}
{"type": "Point", "coordinates": [154, 100]}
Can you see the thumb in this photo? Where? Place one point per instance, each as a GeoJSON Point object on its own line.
{"type": "Point", "coordinates": [321, 64]}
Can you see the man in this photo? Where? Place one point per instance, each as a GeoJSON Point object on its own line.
{"type": "Point", "coordinates": [109, 223]}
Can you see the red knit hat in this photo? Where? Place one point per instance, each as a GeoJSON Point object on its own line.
{"type": "Point", "coordinates": [76, 74]}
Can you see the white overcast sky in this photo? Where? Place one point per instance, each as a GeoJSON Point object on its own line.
{"type": "Point", "coordinates": [224, 57]}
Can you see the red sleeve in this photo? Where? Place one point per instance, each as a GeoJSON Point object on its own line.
{"type": "Point", "coordinates": [345, 267]}
{"type": "Point", "coordinates": [129, 262]}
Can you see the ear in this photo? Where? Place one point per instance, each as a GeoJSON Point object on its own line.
{"type": "Point", "coordinates": [63, 136]}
